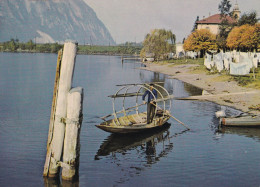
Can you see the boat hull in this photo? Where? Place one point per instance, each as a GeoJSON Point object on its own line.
{"type": "Point", "coordinates": [112, 127]}
{"type": "Point", "coordinates": [243, 121]}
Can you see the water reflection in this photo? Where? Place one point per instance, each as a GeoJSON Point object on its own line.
{"type": "Point", "coordinates": [151, 145]}
{"type": "Point", "coordinates": [253, 133]}
{"type": "Point", "coordinates": [134, 154]}
{"type": "Point", "coordinates": [117, 143]}
{"type": "Point", "coordinates": [57, 182]}
{"type": "Point", "coordinates": [174, 86]}
{"type": "Point", "coordinates": [153, 77]}
{"type": "Point", "coordinates": [192, 90]}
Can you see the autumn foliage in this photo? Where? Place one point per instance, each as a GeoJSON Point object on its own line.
{"type": "Point", "coordinates": [245, 37]}
{"type": "Point", "coordinates": [200, 40]}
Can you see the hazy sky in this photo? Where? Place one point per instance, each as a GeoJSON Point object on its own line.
{"type": "Point", "coordinates": [131, 20]}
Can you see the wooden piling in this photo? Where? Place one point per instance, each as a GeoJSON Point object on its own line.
{"type": "Point", "coordinates": [71, 141]}
{"type": "Point", "coordinates": [53, 109]}
{"type": "Point", "coordinates": [65, 81]}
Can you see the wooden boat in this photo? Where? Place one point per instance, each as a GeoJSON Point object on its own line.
{"type": "Point", "coordinates": [134, 123]}
{"type": "Point", "coordinates": [241, 121]}
{"type": "Point", "coordinates": [137, 122]}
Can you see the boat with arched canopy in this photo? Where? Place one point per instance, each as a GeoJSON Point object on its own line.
{"type": "Point", "coordinates": [132, 119]}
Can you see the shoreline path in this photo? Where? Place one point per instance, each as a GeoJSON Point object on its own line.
{"type": "Point", "coordinates": [227, 93]}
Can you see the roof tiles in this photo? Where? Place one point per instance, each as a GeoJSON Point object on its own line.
{"type": "Point", "coordinates": [214, 19]}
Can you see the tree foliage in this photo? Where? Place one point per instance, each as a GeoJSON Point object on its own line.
{"type": "Point", "coordinates": [245, 37]}
{"type": "Point", "coordinates": [195, 24]}
{"type": "Point", "coordinates": [200, 40]}
{"type": "Point", "coordinates": [224, 8]}
{"type": "Point", "coordinates": [11, 45]}
{"type": "Point", "coordinates": [159, 42]}
{"type": "Point", "coordinates": [225, 27]}
{"type": "Point", "coordinates": [248, 18]}
{"type": "Point", "coordinates": [15, 46]}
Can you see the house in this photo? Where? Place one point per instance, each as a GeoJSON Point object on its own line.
{"type": "Point", "coordinates": [179, 50]}
{"type": "Point", "coordinates": [149, 57]}
{"type": "Point", "coordinates": [212, 23]}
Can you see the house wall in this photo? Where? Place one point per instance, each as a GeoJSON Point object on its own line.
{"type": "Point", "coordinates": [179, 48]}
{"type": "Point", "coordinates": [214, 28]}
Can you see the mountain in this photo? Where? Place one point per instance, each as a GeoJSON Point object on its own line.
{"type": "Point", "coordinates": [48, 21]}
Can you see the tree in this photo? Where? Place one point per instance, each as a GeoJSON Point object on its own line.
{"type": "Point", "coordinates": [29, 45]}
{"type": "Point", "coordinates": [159, 42]}
{"type": "Point", "coordinates": [12, 45]}
{"type": "Point", "coordinates": [250, 18]}
{"type": "Point", "coordinates": [55, 47]}
{"type": "Point", "coordinates": [245, 37]}
{"type": "Point", "coordinates": [225, 26]}
{"type": "Point", "coordinates": [195, 24]}
{"type": "Point", "coordinates": [256, 36]}
{"type": "Point", "coordinates": [233, 38]}
{"type": "Point", "coordinates": [200, 40]}
{"type": "Point", "coordinates": [224, 8]}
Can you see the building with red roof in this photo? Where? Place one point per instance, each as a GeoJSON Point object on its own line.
{"type": "Point", "coordinates": [212, 23]}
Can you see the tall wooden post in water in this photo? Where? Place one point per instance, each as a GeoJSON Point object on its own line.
{"type": "Point", "coordinates": [57, 129]}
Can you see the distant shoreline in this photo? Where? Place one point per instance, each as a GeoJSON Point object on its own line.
{"type": "Point", "coordinates": [117, 50]}
{"type": "Point", "coordinates": [79, 53]}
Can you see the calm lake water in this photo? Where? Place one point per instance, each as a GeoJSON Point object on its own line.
{"type": "Point", "coordinates": [171, 156]}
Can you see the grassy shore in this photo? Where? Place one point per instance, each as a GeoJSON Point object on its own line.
{"type": "Point", "coordinates": [250, 81]}
{"type": "Point", "coordinates": [109, 50]}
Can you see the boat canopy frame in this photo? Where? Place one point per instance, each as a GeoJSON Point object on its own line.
{"type": "Point", "coordinates": [125, 89]}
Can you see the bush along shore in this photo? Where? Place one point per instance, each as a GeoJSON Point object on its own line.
{"type": "Point", "coordinates": [240, 92]}
{"type": "Point", "coordinates": [31, 47]}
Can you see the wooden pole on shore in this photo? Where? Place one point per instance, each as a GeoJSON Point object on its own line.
{"type": "Point", "coordinates": [71, 141]}
{"type": "Point", "coordinates": [65, 81]}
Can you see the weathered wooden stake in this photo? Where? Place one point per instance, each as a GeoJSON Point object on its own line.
{"type": "Point", "coordinates": [53, 109]}
{"type": "Point", "coordinates": [71, 141]}
{"type": "Point", "coordinates": [66, 76]}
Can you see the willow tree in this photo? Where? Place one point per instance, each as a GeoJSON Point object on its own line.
{"type": "Point", "coordinates": [158, 42]}
{"type": "Point", "coordinates": [200, 41]}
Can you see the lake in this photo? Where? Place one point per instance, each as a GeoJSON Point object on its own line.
{"type": "Point", "coordinates": [173, 156]}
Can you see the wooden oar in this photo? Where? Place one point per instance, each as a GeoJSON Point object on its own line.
{"type": "Point", "coordinates": [173, 117]}
{"type": "Point", "coordinates": [179, 121]}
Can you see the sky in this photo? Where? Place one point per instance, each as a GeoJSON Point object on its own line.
{"type": "Point", "coordinates": [131, 20]}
